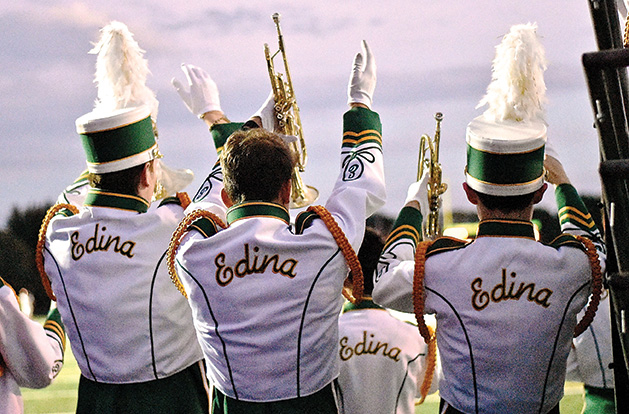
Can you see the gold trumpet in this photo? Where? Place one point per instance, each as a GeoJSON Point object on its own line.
{"type": "Point", "coordinates": [429, 158]}
{"type": "Point", "coordinates": [288, 121]}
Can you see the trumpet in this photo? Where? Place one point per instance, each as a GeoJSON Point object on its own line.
{"type": "Point", "coordinates": [429, 159]}
{"type": "Point", "coordinates": [288, 121]}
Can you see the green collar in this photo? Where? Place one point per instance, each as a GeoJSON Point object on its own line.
{"type": "Point", "coordinates": [505, 228]}
{"type": "Point", "coordinates": [366, 303]}
{"type": "Point", "coordinates": [257, 208]}
{"type": "Point", "coordinates": [99, 198]}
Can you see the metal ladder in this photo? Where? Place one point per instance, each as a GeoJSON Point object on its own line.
{"type": "Point", "coordinates": [606, 75]}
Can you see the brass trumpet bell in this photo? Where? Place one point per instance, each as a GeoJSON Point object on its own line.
{"type": "Point", "coordinates": [288, 121]}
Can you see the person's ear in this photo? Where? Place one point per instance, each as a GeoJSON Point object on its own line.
{"type": "Point", "coordinates": [285, 192]}
{"type": "Point", "coordinates": [471, 195]}
{"type": "Point", "coordinates": [226, 199]}
{"type": "Point", "coordinates": [145, 177]}
{"type": "Point", "coordinates": [539, 194]}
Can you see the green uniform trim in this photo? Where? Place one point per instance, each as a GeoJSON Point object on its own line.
{"type": "Point", "coordinates": [170, 200]}
{"type": "Point", "coordinates": [566, 239]}
{"type": "Point", "coordinates": [205, 226]}
{"type": "Point", "coordinates": [408, 225]}
{"type": "Point", "coordinates": [220, 133]}
{"type": "Point", "coordinates": [64, 212]}
{"type": "Point", "coordinates": [304, 220]}
{"type": "Point", "coordinates": [360, 126]}
{"type": "Point", "coordinates": [443, 244]}
{"type": "Point", "coordinates": [506, 228]}
{"type": "Point", "coordinates": [257, 208]}
{"type": "Point", "coordinates": [82, 177]}
{"type": "Point", "coordinates": [119, 143]}
{"type": "Point", "coordinates": [505, 169]}
{"type": "Point", "coordinates": [98, 198]}
{"type": "Point", "coordinates": [572, 209]}
{"type": "Point", "coordinates": [55, 327]}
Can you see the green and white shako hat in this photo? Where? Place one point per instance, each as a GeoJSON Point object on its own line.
{"type": "Point", "coordinates": [117, 140]}
{"type": "Point", "coordinates": [505, 145]}
{"type": "Point", "coordinates": [505, 158]}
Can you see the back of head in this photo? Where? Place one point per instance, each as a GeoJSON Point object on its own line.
{"type": "Point", "coordinates": [256, 163]}
{"type": "Point", "coordinates": [369, 254]}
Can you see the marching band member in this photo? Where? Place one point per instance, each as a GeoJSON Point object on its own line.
{"type": "Point", "coordinates": [385, 363]}
{"type": "Point", "coordinates": [506, 305]}
{"type": "Point", "coordinates": [130, 330]}
{"type": "Point", "coordinates": [31, 356]}
{"type": "Point", "coordinates": [266, 295]}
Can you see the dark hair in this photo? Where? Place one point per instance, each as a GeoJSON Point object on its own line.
{"type": "Point", "coordinates": [256, 163]}
{"type": "Point", "coordinates": [369, 254]}
{"type": "Point", "coordinates": [506, 204]}
{"type": "Point", "coordinates": [122, 182]}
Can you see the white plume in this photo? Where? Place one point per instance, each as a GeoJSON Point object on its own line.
{"type": "Point", "coordinates": [517, 91]}
{"type": "Point", "coordinates": [121, 71]}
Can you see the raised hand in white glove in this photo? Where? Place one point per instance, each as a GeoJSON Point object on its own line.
{"type": "Point", "coordinates": [267, 118]}
{"type": "Point", "coordinates": [549, 149]}
{"type": "Point", "coordinates": [201, 93]}
{"type": "Point", "coordinates": [266, 113]}
{"type": "Point", "coordinates": [362, 81]}
{"type": "Point", "coordinates": [418, 191]}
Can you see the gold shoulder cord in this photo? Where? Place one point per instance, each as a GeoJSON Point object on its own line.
{"type": "Point", "coordinates": [175, 241]}
{"type": "Point", "coordinates": [625, 42]}
{"type": "Point", "coordinates": [431, 363]}
{"type": "Point", "coordinates": [418, 290]}
{"type": "Point", "coordinates": [41, 242]}
{"type": "Point", "coordinates": [184, 199]}
{"type": "Point", "coordinates": [597, 286]}
{"type": "Point", "coordinates": [358, 281]}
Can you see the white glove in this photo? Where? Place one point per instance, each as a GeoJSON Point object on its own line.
{"type": "Point", "coordinates": [201, 95]}
{"type": "Point", "coordinates": [362, 81]}
{"type": "Point", "coordinates": [418, 191]}
{"type": "Point", "coordinates": [550, 150]}
{"type": "Point", "coordinates": [267, 113]}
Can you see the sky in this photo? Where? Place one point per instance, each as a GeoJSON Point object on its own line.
{"type": "Point", "coordinates": [430, 58]}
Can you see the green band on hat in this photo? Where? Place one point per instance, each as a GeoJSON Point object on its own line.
{"type": "Point", "coordinates": [119, 143]}
{"type": "Point", "coordinates": [505, 169]}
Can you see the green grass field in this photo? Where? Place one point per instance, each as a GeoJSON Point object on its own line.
{"type": "Point", "coordinates": [60, 397]}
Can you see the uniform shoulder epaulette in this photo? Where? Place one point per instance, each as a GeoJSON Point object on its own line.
{"type": "Point", "coordinates": [170, 200]}
{"type": "Point", "coordinates": [205, 226]}
{"type": "Point", "coordinates": [181, 199]}
{"type": "Point", "coordinates": [65, 212]}
{"type": "Point", "coordinates": [304, 220]}
{"type": "Point", "coordinates": [444, 244]}
{"type": "Point", "coordinates": [566, 239]}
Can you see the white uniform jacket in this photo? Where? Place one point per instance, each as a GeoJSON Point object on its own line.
{"type": "Point", "coordinates": [383, 361]}
{"type": "Point", "coordinates": [505, 305]}
{"type": "Point", "coordinates": [126, 321]}
{"type": "Point", "coordinates": [31, 356]}
{"type": "Point", "coordinates": [266, 295]}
